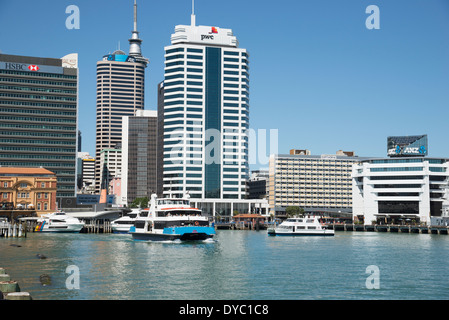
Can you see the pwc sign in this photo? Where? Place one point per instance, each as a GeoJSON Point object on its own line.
{"type": "Point", "coordinates": [209, 36]}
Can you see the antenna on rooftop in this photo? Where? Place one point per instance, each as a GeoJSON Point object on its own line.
{"type": "Point", "coordinates": [192, 17]}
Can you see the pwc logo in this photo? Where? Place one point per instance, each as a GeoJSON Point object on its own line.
{"type": "Point", "coordinates": [209, 36]}
{"type": "Point", "coordinates": [33, 67]}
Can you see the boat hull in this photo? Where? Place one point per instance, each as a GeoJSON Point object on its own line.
{"type": "Point", "coordinates": [120, 230]}
{"type": "Point", "coordinates": [302, 233]}
{"type": "Point", "coordinates": [177, 233]}
{"type": "Point", "coordinates": [61, 229]}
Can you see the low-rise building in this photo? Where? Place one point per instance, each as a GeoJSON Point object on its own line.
{"type": "Point", "coordinates": [28, 189]}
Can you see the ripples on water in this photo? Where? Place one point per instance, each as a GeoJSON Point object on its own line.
{"type": "Point", "coordinates": [241, 265]}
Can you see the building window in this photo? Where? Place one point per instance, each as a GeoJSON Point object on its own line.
{"type": "Point", "coordinates": [5, 195]}
{"type": "Point", "coordinates": [43, 185]}
{"type": "Point", "coordinates": [5, 184]}
{"type": "Point", "coordinates": [23, 185]}
{"type": "Point", "coordinates": [45, 206]}
{"type": "Point", "coordinates": [39, 206]}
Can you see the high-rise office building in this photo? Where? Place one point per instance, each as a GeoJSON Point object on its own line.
{"type": "Point", "coordinates": [139, 156]}
{"type": "Point", "coordinates": [316, 183]}
{"type": "Point", "coordinates": [206, 114]}
{"type": "Point", "coordinates": [38, 116]}
{"type": "Point", "coordinates": [120, 92]}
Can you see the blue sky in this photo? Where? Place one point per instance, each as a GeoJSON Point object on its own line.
{"type": "Point", "coordinates": [317, 74]}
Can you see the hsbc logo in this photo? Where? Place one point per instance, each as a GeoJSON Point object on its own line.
{"type": "Point", "coordinates": [33, 67]}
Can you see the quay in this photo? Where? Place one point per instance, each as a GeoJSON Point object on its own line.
{"type": "Point", "coordinates": [390, 228]}
{"type": "Point", "coordinates": [9, 289]}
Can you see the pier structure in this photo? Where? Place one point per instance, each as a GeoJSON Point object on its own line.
{"type": "Point", "coordinates": [390, 228]}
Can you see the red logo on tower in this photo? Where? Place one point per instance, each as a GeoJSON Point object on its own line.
{"type": "Point", "coordinates": [33, 67]}
{"type": "Point", "coordinates": [214, 30]}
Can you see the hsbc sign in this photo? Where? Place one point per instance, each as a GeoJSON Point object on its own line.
{"type": "Point", "coordinates": [15, 66]}
{"type": "Point", "coordinates": [30, 67]}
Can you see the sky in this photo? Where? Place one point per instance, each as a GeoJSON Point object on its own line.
{"type": "Point", "coordinates": [318, 75]}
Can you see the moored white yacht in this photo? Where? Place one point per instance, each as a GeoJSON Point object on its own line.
{"type": "Point", "coordinates": [306, 226]}
{"type": "Point", "coordinates": [172, 219]}
{"type": "Point", "coordinates": [58, 222]}
{"type": "Point", "coordinates": [123, 224]}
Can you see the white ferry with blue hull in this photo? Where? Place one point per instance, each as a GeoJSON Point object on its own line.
{"type": "Point", "coordinates": [307, 226]}
{"type": "Point", "coordinates": [172, 219]}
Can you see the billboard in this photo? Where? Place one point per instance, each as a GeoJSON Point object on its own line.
{"type": "Point", "coordinates": [407, 146]}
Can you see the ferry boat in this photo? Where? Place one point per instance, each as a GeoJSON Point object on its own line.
{"type": "Point", "coordinates": [58, 222]}
{"type": "Point", "coordinates": [307, 226]}
{"type": "Point", "coordinates": [172, 219]}
{"type": "Point", "coordinates": [123, 224]}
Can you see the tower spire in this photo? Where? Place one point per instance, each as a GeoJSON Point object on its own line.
{"type": "Point", "coordinates": [134, 41]}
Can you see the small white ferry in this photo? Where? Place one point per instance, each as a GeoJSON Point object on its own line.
{"type": "Point", "coordinates": [307, 226]}
{"type": "Point", "coordinates": [172, 219]}
{"type": "Point", "coordinates": [123, 224]}
{"type": "Point", "coordinates": [58, 222]}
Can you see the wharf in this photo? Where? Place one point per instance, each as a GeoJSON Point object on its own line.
{"type": "Point", "coordinates": [390, 228]}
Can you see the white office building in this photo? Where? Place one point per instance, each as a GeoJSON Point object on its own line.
{"type": "Point", "coordinates": [205, 114]}
{"type": "Point", "coordinates": [396, 190]}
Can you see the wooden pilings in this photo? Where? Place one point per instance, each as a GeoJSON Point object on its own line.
{"type": "Point", "coordinates": [13, 230]}
{"type": "Point", "coordinates": [97, 226]}
{"type": "Point", "coordinates": [390, 228]}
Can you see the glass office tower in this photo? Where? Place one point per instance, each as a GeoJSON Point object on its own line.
{"type": "Point", "coordinates": [206, 114]}
{"type": "Point", "coordinates": [38, 116]}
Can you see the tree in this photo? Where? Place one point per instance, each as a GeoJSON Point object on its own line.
{"type": "Point", "coordinates": [294, 211]}
{"type": "Point", "coordinates": [140, 203]}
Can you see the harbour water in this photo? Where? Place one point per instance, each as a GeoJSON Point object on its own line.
{"type": "Point", "coordinates": [237, 265]}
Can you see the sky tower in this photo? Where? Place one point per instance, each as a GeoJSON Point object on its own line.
{"type": "Point", "coordinates": [120, 92]}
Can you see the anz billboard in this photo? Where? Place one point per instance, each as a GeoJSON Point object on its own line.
{"type": "Point", "coordinates": [407, 146]}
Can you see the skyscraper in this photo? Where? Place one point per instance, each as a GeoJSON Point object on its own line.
{"type": "Point", "coordinates": [38, 116]}
{"type": "Point", "coordinates": [139, 156]}
{"type": "Point", "coordinates": [206, 114]}
{"type": "Point", "coordinates": [120, 92]}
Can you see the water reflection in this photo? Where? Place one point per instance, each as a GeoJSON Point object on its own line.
{"type": "Point", "coordinates": [236, 265]}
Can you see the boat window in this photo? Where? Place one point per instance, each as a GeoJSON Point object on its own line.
{"type": "Point", "coordinates": [139, 224]}
{"type": "Point", "coordinates": [309, 220]}
{"type": "Point", "coordinates": [299, 220]}
{"type": "Point", "coordinates": [300, 227]}
{"type": "Point", "coordinates": [311, 227]}
{"type": "Point", "coordinates": [132, 215]}
{"type": "Point", "coordinates": [55, 220]}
